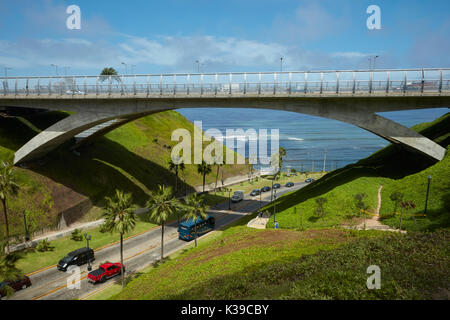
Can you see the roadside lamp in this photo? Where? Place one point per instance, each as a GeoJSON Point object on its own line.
{"type": "Point", "coordinates": [27, 235]}
{"type": "Point", "coordinates": [428, 191]}
{"type": "Point", "coordinates": [88, 237]}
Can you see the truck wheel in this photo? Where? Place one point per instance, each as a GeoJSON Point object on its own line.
{"type": "Point", "coordinates": [103, 279]}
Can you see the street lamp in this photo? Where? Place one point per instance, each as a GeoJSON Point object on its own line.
{"type": "Point", "coordinates": [260, 201]}
{"type": "Point", "coordinates": [281, 64]}
{"type": "Point", "coordinates": [65, 70]}
{"type": "Point", "coordinates": [56, 67]}
{"type": "Point", "coordinates": [428, 190]}
{"type": "Point", "coordinates": [126, 67]}
{"type": "Point", "coordinates": [229, 197]}
{"type": "Point", "coordinates": [274, 205]}
{"type": "Point", "coordinates": [6, 71]}
{"type": "Point", "coordinates": [88, 237]}
{"type": "Point", "coordinates": [27, 235]}
{"type": "Point", "coordinates": [374, 60]}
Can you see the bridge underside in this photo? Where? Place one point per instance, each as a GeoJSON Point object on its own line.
{"type": "Point", "coordinates": [359, 112]}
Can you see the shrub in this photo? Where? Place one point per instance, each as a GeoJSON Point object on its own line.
{"type": "Point", "coordinates": [44, 245]}
{"type": "Point", "coordinates": [76, 235]}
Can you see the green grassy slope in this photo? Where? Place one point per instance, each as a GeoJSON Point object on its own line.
{"type": "Point", "coordinates": [244, 263]}
{"type": "Point", "coordinates": [394, 168]}
{"type": "Point", "coordinates": [133, 158]}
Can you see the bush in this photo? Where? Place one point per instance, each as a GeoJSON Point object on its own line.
{"type": "Point", "coordinates": [102, 228]}
{"type": "Point", "coordinates": [44, 245]}
{"type": "Point", "coordinates": [76, 235]}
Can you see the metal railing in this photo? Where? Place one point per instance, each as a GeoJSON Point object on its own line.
{"type": "Point", "coordinates": [243, 83]}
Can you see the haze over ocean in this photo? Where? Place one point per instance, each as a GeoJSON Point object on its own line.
{"type": "Point", "coordinates": [305, 137]}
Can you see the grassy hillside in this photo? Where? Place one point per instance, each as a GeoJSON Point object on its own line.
{"type": "Point", "coordinates": [393, 167]}
{"type": "Point", "coordinates": [244, 263]}
{"type": "Point", "coordinates": [133, 158]}
{"type": "Point", "coordinates": [313, 258]}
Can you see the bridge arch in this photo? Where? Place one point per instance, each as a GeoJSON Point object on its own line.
{"type": "Point", "coordinates": [359, 112]}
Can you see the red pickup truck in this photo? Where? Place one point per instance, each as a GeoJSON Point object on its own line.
{"type": "Point", "coordinates": [104, 272]}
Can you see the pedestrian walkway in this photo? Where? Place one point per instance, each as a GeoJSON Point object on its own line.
{"type": "Point", "coordinates": [260, 221]}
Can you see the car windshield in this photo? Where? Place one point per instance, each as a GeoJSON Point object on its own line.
{"type": "Point", "coordinates": [66, 259]}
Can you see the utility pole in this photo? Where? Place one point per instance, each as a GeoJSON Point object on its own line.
{"type": "Point", "coordinates": [324, 160]}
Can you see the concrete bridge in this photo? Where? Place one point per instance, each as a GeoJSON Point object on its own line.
{"type": "Point", "coordinates": [103, 103]}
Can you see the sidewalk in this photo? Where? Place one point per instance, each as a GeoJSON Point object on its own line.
{"type": "Point", "coordinates": [259, 222]}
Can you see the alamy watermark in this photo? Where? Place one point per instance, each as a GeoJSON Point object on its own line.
{"type": "Point", "coordinates": [74, 20]}
{"type": "Point", "coordinates": [374, 20]}
{"type": "Point", "coordinates": [74, 279]}
{"type": "Point", "coordinates": [235, 140]}
{"type": "Point", "coordinates": [374, 281]}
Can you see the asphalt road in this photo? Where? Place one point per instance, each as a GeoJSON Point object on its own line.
{"type": "Point", "coordinates": [139, 252]}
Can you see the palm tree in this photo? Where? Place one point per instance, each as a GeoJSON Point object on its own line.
{"type": "Point", "coordinates": [120, 217]}
{"type": "Point", "coordinates": [8, 186]}
{"type": "Point", "coordinates": [195, 208]}
{"type": "Point", "coordinates": [218, 164]}
{"type": "Point", "coordinates": [204, 169]}
{"type": "Point", "coordinates": [106, 72]}
{"type": "Point", "coordinates": [161, 205]}
{"type": "Point", "coordinates": [175, 167]}
{"type": "Point", "coordinates": [281, 153]}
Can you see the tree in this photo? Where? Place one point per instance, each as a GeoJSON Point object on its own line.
{"type": "Point", "coordinates": [361, 205]}
{"type": "Point", "coordinates": [281, 153]}
{"type": "Point", "coordinates": [320, 210]}
{"type": "Point", "coordinates": [8, 186]}
{"type": "Point", "coordinates": [161, 205]}
{"type": "Point", "coordinates": [8, 269]}
{"type": "Point", "coordinates": [204, 169]}
{"type": "Point", "coordinates": [106, 72]}
{"type": "Point", "coordinates": [397, 198]}
{"type": "Point", "coordinates": [218, 164]}
{"type": "Point", "coordinates": [195, 208]}
{"type": "Point", "coordinates": [120, 217]}
{"type": "Point", "coordinates": [406, 205]}
{"type": "Point", "coordinates": [175, 167]}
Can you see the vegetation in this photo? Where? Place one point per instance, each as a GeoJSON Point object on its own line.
{"type": "Point", "coordinates": [120, 217]}
{"type": "Point", "coordinates": [162, 204]}
{"type": "Point", "coordinates": [361, 205]}
{"type": "Point", "coordinates": [8, 186]}
{"type": "Point", "coordinates": [76, 235]}
{"type": "Point", "coordinates": [320, 210]}
{"type": "Point", "coordinates": [393, 167]}
{"type": "Point", "coordinates": [204, 169]}
{"type": "Point", "coordinates": [175, 167]}
{"type": "Point", "coordinates": [44, 245]}
{"type": "Point", "coordinates": [131, 157]}
{"type": "Point", "coordinates": [195, 209]}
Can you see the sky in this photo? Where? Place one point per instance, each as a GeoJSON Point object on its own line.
{"type": "Point", "coordinates": [224, 36]}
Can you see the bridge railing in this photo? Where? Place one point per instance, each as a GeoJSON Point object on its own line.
{"type": "Point", "coordinates": [251, 83]}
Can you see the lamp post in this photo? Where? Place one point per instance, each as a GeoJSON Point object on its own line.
{"type": "Point", "coordinates": [274, 205]}
{"type": "Point", "coordinates": [374, 60]}
{"type": "Point", "coordinates": [126, 67]}
{"type": "Point", "coordinates": [27, 235]}
{"type": "Point", "coordinates": [260, 199]}
{"type": "Point", "coordinates": [6, 71]}
{"type": "Point", "coordinates": [428, 190]}
{"type": "Point", "coordinates": [56, 67]}
{"type": "Point", "coordinates": [88, 237]}
{"type": "Point", "coordinates": [229, 198]}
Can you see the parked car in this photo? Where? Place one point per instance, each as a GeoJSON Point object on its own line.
{"type": "Point", "coordinates": [255, 192]}
{"type": "Point", "coordinates": [76, 258]}
{"type": "Point", "coordinates": [237, 196]}
{"type": "Point", "coordinates": [276, 186]}
{"type": "Point", "coordinates": [20, 284]}
{"type": "Point", "coordinates": [309, 180]}
{"type": "Point", "coordinates": [289, 184]}
{"type": "Point", "coordinates": [104, 272]}
{"type": "Point", "coordinates": [265, 189]}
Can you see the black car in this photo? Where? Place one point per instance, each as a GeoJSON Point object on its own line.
{"type": "Point", "coordinates": [255, 192]}
{"type": "Point", "coordinates": [309, 180]}
{"type": "Point", "coordinates": [76, 258]}
{"type": "Point", "coordinates": [276, 186]}
{"type": "Point", "coordinates": [289, 184]}
{"type": "Point", "coordinates": [265, 189]}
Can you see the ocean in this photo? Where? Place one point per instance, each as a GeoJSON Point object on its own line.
{"type": "Point", "coordinates": [307, 138]}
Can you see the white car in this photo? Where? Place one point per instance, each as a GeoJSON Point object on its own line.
{"type": "Point", "coordinates": [74, 92]}
{"type": "Point", "coordinates": [237, 196]}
